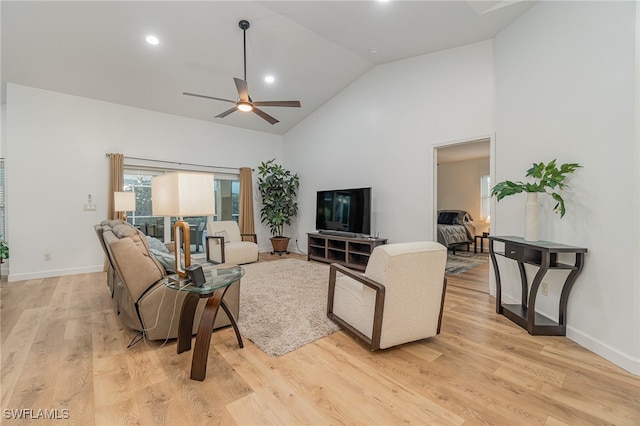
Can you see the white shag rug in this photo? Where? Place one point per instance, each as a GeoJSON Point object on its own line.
{"type": "Point", "coordinates": [283, 304]}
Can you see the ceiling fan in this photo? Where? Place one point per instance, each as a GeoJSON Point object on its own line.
{"type": "Point", "coordinates": [244, 102]}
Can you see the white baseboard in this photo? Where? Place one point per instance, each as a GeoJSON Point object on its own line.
{"type": "Point", "coordinates": [54, 273]}
{"type": "Point", "coordinates": [622, 360]}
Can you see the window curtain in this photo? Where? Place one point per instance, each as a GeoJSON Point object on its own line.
{"type": "Point", "coordinates": [116, 181]}
{"type": "Point", "coordinates": [245, 219]}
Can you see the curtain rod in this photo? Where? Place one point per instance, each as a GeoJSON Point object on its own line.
{"type": "Point", "coordinates": [179, 163]}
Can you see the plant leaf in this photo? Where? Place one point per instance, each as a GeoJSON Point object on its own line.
{"type": "Point", "coordinates": [559, 207]}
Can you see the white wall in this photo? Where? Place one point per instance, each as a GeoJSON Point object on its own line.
{"type": "Point", "coordinates": [380, 132]}
{"type": "Point", "coordinates": [55, 151]}
{"type": "Point", "coordinates": [566, 88]}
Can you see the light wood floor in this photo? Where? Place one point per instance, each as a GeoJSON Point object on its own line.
{"type": "Point", "coordinates": [64, 348]}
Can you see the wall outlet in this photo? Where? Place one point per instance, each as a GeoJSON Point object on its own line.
{"type": "Point", "coordinates": [544, 289]}
{"type": "Point", "coordinates": [47, 257]}
{"type": "Point", "coordinates": [89, 207]}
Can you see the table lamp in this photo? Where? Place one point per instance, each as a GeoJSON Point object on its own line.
{"type": "Point", "coordinates": [124, 202]}
{"type": "Point", "coordinates": [182, 194]}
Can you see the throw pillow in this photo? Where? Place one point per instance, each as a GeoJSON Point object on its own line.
{"type": "Point", "coordinates": [222, 234]}
{"type": "Point", "coordinates": [156, 244]}
{"type": "Point", "coordinates": [448, 218]}
{"type": "Point", "coordinates": [167, 260]}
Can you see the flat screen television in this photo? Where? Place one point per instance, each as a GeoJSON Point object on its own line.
{"type": "Point", "coordinates": [344, 212]}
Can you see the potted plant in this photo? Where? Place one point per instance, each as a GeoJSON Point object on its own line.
{"type": "Point", "coordinates": [278, 189]}
{"type": "Point", "coordinates": [4, 251]}
{"type": "Point", "coordinates": [547, 179]}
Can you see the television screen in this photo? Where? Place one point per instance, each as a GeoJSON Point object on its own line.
{"type": "Point", "coordinates": [344, 210]}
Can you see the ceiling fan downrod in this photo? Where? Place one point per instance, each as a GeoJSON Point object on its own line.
{"type": "Point", "coordinates": [244, 25]}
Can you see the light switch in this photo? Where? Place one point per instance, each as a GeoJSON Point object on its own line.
{"type": "Point", "coordinates": [90, 207]}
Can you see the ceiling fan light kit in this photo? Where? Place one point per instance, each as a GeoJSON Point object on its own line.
{"type": "Point", "coordinates": [244, 106]}
{"type": "Point", "coordinates": [244, 102]}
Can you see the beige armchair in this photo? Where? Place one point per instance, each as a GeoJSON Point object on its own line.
{"type": "Point", "coordinates": [225, 243]}
{"type": "Point", "coordinates": [398, 299]}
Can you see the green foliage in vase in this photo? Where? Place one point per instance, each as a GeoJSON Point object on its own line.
{"type": "Point", "coordinates": [547, 179]}
{"type": "Point", "coordinates": [278, 188]}
{"type": "Point", "coordinates": [4, 250]}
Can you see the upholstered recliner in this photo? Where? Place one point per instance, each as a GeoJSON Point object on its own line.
{"type": "Point", "coordinates": [112, 277]}
{"type": "Point", "coordinates": [143, 302]}
{"type": "Point", "coordinates": [225, 243]}
{"type": "Point", "coordinates": [398, 299]}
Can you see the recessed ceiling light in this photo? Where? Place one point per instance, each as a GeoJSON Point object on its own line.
{"type": "Point", "coordinates": [373, 50]}
{"type": "Point", "coordinates": [269, 79]}
{"type": "Point", "coordinates": [153, 40]}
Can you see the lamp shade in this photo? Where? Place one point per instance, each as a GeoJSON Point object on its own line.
{"type": "Point", "coordinates": [124, 201]}
{"type": "Point", "coordinates": [182, 194]}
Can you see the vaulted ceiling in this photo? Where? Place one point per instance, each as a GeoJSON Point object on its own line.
{"type": "Point", "coordinates": [313, 49]}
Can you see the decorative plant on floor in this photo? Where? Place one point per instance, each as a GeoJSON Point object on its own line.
{"type": "Point", "coordinates": [547, 177]}
{"type": "Point", "coordinates": [4, 251]}
{"type": "Point", "coordinates": [278, 188]}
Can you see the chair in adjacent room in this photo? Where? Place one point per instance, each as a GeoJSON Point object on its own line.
{"type": "Point", "coordinates": [398, 299]}
{"type": "Point", "coordinates": [195, 234]}
{"type": "Point", "coordinates": [225, 243]}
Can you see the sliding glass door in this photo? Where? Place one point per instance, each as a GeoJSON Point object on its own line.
{"type": "Point", "coordinates": [227, 194]}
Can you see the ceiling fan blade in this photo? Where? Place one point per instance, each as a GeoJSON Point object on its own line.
{"type": "Point", "coordinates": [208, 97]}
{"type": "Point", "coordinates": [278, 103]}
{"type": "Point", "coordinates": [243, 89]}
{"type": "Point", "coordinates": [264, 115]}
{"type": "Point", "coordinates": [227, 112]}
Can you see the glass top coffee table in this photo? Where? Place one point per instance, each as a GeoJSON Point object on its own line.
{"type": "Point", "coordinates": [217, 281]}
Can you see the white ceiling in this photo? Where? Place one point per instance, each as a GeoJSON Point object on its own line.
{"type": "Point", "coordinates": [314, 49]}
{"type": "Point", "coordinates": [464, 151]}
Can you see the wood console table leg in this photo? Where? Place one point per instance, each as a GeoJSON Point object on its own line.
{"type": "Point", "coordinates": [234, 324]}
{"type": "Point", "coordinates": [203, 338]}
{"type": "Point", "coordinates": [496, 271]}
{"type": "Point", "coordinates": [566, 288]}
{"type": "Point", "coordinates": [524, 285]}
{"type": "Point", "coordinates": [535, 284]}
{"type": "Point", "coordinates": [185, 327]}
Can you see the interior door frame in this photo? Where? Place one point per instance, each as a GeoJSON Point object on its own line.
{"type": "Point", "coordinates": [492, 169]}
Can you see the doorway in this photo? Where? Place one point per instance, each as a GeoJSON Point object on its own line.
{"type": "Point", "coordinates": [462, 181]}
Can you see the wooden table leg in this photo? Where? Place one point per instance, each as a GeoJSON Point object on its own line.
{"type": "Point", "coordinates": [185, 326]}
{"type": "Point", "coordinates": [203, 338]}
{"type": "Point", "coordinates": [232, 319]}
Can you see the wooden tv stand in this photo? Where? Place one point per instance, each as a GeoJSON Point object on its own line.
{"type": "Point", "coordinates": [352, 252]}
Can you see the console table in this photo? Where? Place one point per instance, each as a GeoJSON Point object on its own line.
{"type": "Point", "coordinates": [544, 255]}
{"type": "Point", "coordinates": [352, 252]}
